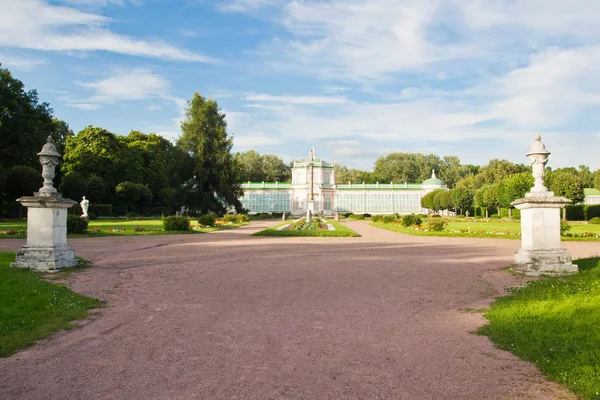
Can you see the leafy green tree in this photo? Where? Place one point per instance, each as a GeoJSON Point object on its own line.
{"type": "Point", "coordinates": [216, 185]}
{"type": "Point", "coordinates": [73, 186]}
{"type": "Point", "coordinates": [134, 194]}
{"type": "Point", "coordinates": [95, 189]}
{"type": "Point", "coordinates": [514, 187]}
{"type": "Point", "coordinates": [587, 177]}
{"type": "Point", "coordinates": [274, 169]}
{"type": "Point", "coordinates": [428, 201]}
{"type": "Point", "coordinates": [566, 184]}
{"type": "Point", "coordinates": [462, 198]}
{"type": "Point", "coordinates": [491, 197]}
{"type": "Point", "coordinates": [254, 167]}
{"type": "Point", "coordinates": [21, 180]}
{"type": "Point", "coordinates": [493, 172]}
{"type": "Point", "coordinates": [25, 123]}
{"type": "Point", "coordinates": [442, 200]}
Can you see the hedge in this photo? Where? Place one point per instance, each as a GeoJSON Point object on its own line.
{"type": "Point", "coordinates": [591, 211]}
{"type": "Point", "coordinates": [575, 212]}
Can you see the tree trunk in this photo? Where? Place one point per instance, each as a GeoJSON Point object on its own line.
{"type": "Point", "coordinates": [486, 213]}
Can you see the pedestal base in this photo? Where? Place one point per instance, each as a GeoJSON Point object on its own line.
{"type": "Point", "coordinates": [550, 262]}
{"type": "Point", "coordinates": [47, 258]}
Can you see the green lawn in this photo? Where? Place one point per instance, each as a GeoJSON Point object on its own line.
{"type": "Point", "coordinates": [555, 324]}
{"type": "Point", "coordinates": [119, 227]}
{"type": "Point", "coordinates": [33, 308]}
{"type": "Point", "coordinates": [340, 231]}
{"type": "Point", "coordinates": [491, 229]}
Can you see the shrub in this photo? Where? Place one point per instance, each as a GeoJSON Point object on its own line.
{"type": "Point", "coordinates": [377, 218]}
{"type": "Point", "coordinates": [92, 216]}
{"type": "Point", "coordinates": [436, 225]}
{"type": "Point", "coordinates": [564, 228]}
{"type": "Point", "coordinates": [576, 212]}
{"type": "Point", "coordinates": [347, 215]}
{"type": "Point", "coordinates": [367, 215]}
{"type": "Point", "coordinates": [592, 211]}
{"type": "Point", "coordinates": [435, 216]}
{"type": "Point", "coordinates": [386, 219]}
{"type": "Point", "coordinates": [230, 218]}
{"type": "Point", "coordinates": [356, 216]}
{"type": "Point", "coordinates": [595, 221]}
{"type": "Point", "coordinates": [139, 229]}
{"type": "Point", "coordinates": [494, 216]}
{"type": "Point", "coordinates": [105, 210]}
{"type": "Point", "coordinates": [207, 219]}
{"type": "Point", "coordinates": [76, 224]}
{"type": "Point", "coordinates": [176, 223]}
{"type": "Point", "coordinates": [131, 215]}
{"type": "Point", "coordinates": [411, 219]}
{"type": "Point", "coordinates": [242, 218]}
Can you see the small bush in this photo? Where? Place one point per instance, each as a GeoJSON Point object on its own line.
{"type": "Point", "coordinates": [411, 219]}
{"type": "Point", "coordinates": [139, 229]}
{"type": "Point", "coordinates": [386, 219]}
{"type": "Point", "coordinates": [242, 218]}
{"type": "Point", "coordinates": [347, 215]}
{"type": "Point", "coordinates": [591, 211]}
{"type": "Point", "coordinates": [576, 212]}
{"type": "Point", "coordinates": [76, 224]}
{"type": "Point", "coordinates": [356, 216]}
{"type": "Point", "coordinates": [367, 215]}
{"type": "Point", "coordinates": [564, 228]}
{"type": "Point", "coordinates": [437, 225]}
{"type": "Point", "coordinates": [207, 219]}
{"type": "Point", "coordinates": [92, 216]}
{"type": "Point", "coordinates": [435, 216]}
{"type": "Point", "coordinates": [595, 221]}
{"type": "Point", "coordinates": [131, 214]}
{"type": "Point", "coordinates": [230, 218]}
{"type": "Point", "coordinates": [105, 210]}
{"type": "Point", "coordinates": [176, 223]}
{"type": "Point", "coordinates": [494, 216]}
{"type": "Point", "coordinates": [378, 217]}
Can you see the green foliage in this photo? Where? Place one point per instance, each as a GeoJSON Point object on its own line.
{"type": "Point", "coordinates": [356, 216]}
{"type": "Point", "coordinates": [436, 225]}
{"type": "Point", "coordinates": [553, 323]}
{"type": "Point", "coordinates": [104, 210]}
{"type": "Point", "coordinates": [340, 231]}
{"type": "Point", "coordinates": [428, 201]}
{"type": "Point", "coordinates": [261, 168]}
{"type": "Point", "coordinates": [73, 186]}
{"type": "Point", "coordinates": [33, 308]}
{"type": "Point", "coordinates": [134, 193]}
{"type": "Point", "coordinates": [566, 184]}
{"type": "Point", "coordinates": [176, 223]}
{"type": "Point", "coordinates": [564, 228]}
{"type": "Point", "coordinates": [76, 224]}
{"type": "Point", "coordinates": [492, 173]}
{"type": "Point", "coordinates": [22, 180]}
{"type": "Point", "coordinates": [25, 123]}
{"type": "Point", "coordinates": [494, 216]}
{"type": "Point", "coordinates": [242, 218]}
{"type": "Point", "coordinates": [442, 200]}
{"type": "Point", "coordinates": [367, 215]}
{"type": "Point", "coordinates": [594, 221]}
{"type": "Point", "coordinates": [230, 218]}
{"type": "Point", "coordinates": [462, 198]}
{"type": "Point", "coordinates": [207, 219]}
{"type": "Point", "coordinates": [95, 188]}
{"type": "Point", "coordinates": [215, 186]}
{"type": "Point", "coordinates": [344, 175]}
{"type": "Point", "coordinates": [591, 211]}
{"type": "Point", "coordinates": [514, 187]}
{"type": "Point", "coordinates": [411, 219]}
{"type": "Point", "coordinates": [575, 212]}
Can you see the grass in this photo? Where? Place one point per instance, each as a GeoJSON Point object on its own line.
{"type": "Point", "coordinates": [33, 308]}
{"type": "Point", "coordinates": [340, 231]}
{"type": "Point", "coordinates": [554, 323]}
{"type": "Point", "coordinates": [483, 229]}
{"type": "Point", "coordinates": [120, 227]}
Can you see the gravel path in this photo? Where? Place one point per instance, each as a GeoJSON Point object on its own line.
{"type": "Point", "coordinates": [230, 316]}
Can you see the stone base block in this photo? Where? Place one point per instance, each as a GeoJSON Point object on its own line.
{"type": "Point", "coordinates": [47, 258]}
{"type": "Point", "coordinates": [550, 262]}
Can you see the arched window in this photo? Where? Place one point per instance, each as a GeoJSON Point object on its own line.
{"type": "Point", "coordinates": [326, 177]}
{"type": "Point", "coordinates": [327, 203]}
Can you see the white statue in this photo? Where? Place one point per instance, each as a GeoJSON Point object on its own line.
{"type": "Point", "coordinates": [84, 206]}
{"type": "Point", "coordinates": [312, 154]}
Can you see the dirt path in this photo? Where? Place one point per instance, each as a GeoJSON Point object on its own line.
{"type": "Point", "coordinates": [230, 316]}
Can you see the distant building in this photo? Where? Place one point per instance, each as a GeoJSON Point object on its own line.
{"type": "Point", "coordinates": [378, 198]}
{"type": "Point", "coordinates": [592, 196]}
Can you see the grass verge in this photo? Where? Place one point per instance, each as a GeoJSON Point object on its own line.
{"type": "Point", "coordinates": [33, 308]}
{"type": "Point", "coordinates": [553, 323]}
{"type": "Point", "coordinates": [102, 228]}
{"type": "Point", "coordinates": [340, 231]}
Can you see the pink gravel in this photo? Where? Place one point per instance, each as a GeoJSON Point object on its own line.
{"type": "Point", "coordinates": [230, 316]}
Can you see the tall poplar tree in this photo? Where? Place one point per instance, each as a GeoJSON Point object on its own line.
{"type": "Point", "coordinates": [215, 186]}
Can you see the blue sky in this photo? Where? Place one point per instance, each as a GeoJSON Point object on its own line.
{"type": "Point", "coordinates": [357, 79]}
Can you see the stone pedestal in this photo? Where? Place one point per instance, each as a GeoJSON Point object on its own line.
{"type": "Point", "coordinates": [47, 248]}
{"type": "Point", "coordinates": [310, 210]}
{"type": "Point", "coordinates": [540, 252]}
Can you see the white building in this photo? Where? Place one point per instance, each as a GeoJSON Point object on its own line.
{"type": "Point", "coordinates": [329, 196]}
{"type": "Point", "coordinates": [592, 196]}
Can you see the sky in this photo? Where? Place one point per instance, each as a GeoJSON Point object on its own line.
{"type": "Point", "coordinates": [356, 79]}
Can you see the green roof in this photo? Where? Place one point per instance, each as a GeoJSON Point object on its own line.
{"type": "Point", "coordinates": [434, 181]}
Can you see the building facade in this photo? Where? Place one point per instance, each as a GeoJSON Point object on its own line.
{"type": "Point", "coordinates": [330, 196]}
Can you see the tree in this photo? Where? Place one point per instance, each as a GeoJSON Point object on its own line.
{"type": "Point", "coordinates": [25, 123]}
{"type": "Point", "coordinates": [587, 178]}
{"type": "Point", "coordinates": [254, 167]}
{"type": "Point", "coordinates": [462, 198]}
{"type": "Point", "coordinates": [493, 172]}
{"type": "Point", "coordinates": [95, 189]}
{"type": "Point", "coordinates": [134, 194]}
{"type": "Point", "coordinates": [428, 201]}
{"type": "Point", "coordinates": [566, 184]}
{"type": "Point", "coordinates": [216, 185]}
{"type": "Point", "coordinates": [22, 180]}
{"type": "Point", "coordinates": [74, 186]}
{"type": "Point", "coordinates": [514, 187]}
{"type": "Point", "coordinates": [442, 200]}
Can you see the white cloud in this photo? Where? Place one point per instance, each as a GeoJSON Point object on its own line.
{"type": "Point", "coordinates": [314, 100]}
{"type": "Point", "coordinates": [245, 5]}
{"type": "Point", "coordinates": [35, 24]}
{"type": "Point", "coordinates": [22, 63]}
{"type": "Point", "coordinates": [137, 84]}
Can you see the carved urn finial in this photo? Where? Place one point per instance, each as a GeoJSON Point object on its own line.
{"type": "Point", "coordinates": [49, 157]}
{"type": "Point", "coordinates": [538, 157]}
